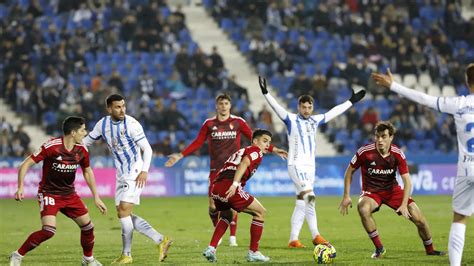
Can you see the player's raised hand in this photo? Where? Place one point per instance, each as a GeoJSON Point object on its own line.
{"type": "Point", "coordinates": [100, 205]}
{"type": "Point", "coordinates": [382, 79]}
{"type": "Point", "coordinates": [173, 158]}
{"type": "Point", "coordinates": [357, 96]}
{"type": "Point", "coordinates": [141, 179]}
{"type": "Point", "coordinates": [19, 195]}
{"type": "Point", "coordinates": [263, 84]}
{"type": "Point", "coordinates": [403, 211]}
{"type": "Point", "coordinates": [345, 204]}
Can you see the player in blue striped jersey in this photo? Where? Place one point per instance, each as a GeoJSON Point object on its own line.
{"type": "Point", "coordinates": [301, 131]}
{"type": "Point", "coordinates": [126, 140]}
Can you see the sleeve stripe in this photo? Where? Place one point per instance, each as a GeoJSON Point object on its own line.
{"type": "Point", "coordinates": [140, 139]}
{"type": "Point", "coordinates": [437, 104]}
{"type": "Point", "coordinates": [96, 138]}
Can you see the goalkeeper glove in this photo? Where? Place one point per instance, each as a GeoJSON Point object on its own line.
{"type": "Point", "coordinates": [263, 84]}
{"type": "Point", "coordinates": [357, 96]}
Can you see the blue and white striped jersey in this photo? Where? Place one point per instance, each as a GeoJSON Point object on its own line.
{"type": "Point", "coordinates": [301, 132]}
{"type": "Point", "coordinates": [122, 139]}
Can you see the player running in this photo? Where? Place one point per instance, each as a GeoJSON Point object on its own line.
{"type": "Point", "coordinates": [379, 163]}
{"type": "Point", "coordinates": [462, 108]}
{"type": "Point", "coordinates": [301, 131]}
{"type": "Point", "coordinates": [227, 193]}
{"type": "Point", "coordinates": [125, 138]}
{"type": "Point", "coordinates": [223, 133]}
{"type": "Point", "coordinates": [62, 156]}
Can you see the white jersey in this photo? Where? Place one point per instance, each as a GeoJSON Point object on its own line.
{"type": "Point", "coordinates": [462, 109]}
{"type": "Point", "coordinates": [301, 132]}
{"type": "Point", "coordinates": [122, 139]}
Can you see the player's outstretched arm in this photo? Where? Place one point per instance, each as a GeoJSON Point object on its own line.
{"type": "Point", "coordinates": [241, 168]}
{"type": "Point", "coordinates": [280, 152]}
{"type": "Point", "coordinates": [279, 110]}
{"type": "Point", "coordinates": [346, 198]}
{"type": "Point", "coordinates": [341, 108]}
{"type": "Point", "coordinates": [90, 180]}
{"type": "Point", "coordinates": [403, 209]}
{"type": "Point", "coordinates": [25, 165]}
{"type": "Point", "coordinates": [173, 158]}
{"type": "Point", "coordinates": [386, 80]}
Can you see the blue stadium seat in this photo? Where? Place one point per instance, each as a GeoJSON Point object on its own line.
{"type": "Point", "coordinates": [227, 24]}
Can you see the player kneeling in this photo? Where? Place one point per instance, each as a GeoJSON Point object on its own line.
{"type": "Point", "coordinates": [227, 193]}
{"type": "Point", "coordinates": [56, 192]}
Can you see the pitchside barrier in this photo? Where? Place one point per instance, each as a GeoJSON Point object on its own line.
{"type": "Point", "coordinates": [430, 175]}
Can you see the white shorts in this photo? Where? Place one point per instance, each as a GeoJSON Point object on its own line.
{"type": "Point", "coordinates": [126, 190]}
{"type": "Point", "coordinates": [463, 195]}
{"type": "Point", "coordinates": [302, 176]}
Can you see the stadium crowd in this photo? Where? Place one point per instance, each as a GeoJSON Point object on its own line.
{"type": "Point", "coordinates": [322, 47]}
{"type": "Point", "coordinates": [63, 57]}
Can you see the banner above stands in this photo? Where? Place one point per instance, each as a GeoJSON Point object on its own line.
{"type": "Point", "coordinates": [190, 177]}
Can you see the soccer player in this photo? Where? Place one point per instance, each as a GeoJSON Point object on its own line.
{"type": "Point", "coordinates": [223, 133]}
{"type": "Point", "coordinates": [301, 131]}
{"type": "Point", "coordinates": [462, 108]}
{"type": "Point", "coordinates": [62, 156]}
{"type": "Point", "coordinates": [227, 193]}
{"type": "Point", "coordinates": [125, 138]}
{"type": "Point", "coordinates": [379, 163]}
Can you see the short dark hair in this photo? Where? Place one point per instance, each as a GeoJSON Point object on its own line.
{"type": "Point", "coordinates": [72, 123]}
{"type": "Point", "coordinates": [113, 98]}
{"type": "Point", "coordinates": [223, 96]}
{"type": "Point", "coordinates": [305, 99]}
{"type": "Point", "coordinates": [381, 126]}
{"type": "Point", "coordinates": [470, 74]}
{"type": "Point", "coordinates": [260, 132]}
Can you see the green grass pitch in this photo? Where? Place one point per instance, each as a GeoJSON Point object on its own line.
{"type": "Point", "coordinates": [185, 220]}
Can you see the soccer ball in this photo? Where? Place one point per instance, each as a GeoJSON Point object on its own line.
{"type": "Point", "coordinates": [324, 253]}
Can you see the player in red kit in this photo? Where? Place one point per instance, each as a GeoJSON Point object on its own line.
{"type": "Point", "coordinates": [228, 193]}
{"type": "Point", "coordinates": [379, 163]}
{"type": "Point", "coordinates": [56, 193]}
{"type": "Point", "coordinates": [223, 133]}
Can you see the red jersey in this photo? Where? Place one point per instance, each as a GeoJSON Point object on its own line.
{"type": "Point", "coordinates": [59, 166]}
{"type": "Point", "coordinates": [223, 138]}
{"type": "Point", "coordinates": [378, 173]}
{"type": "Point", "coordinates": [255, 156]}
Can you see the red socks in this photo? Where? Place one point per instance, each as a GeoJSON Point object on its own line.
{"type": "Point", "coordinates": [219, 231]}
{"type": "Point", "coordinates": [87, 239]}
{"type": "Point", "coordinates": [36, 238]}
{"type": "Point", "coordinates": [256, 229]}
{"type": "Point", "coordinates": [374, 236]}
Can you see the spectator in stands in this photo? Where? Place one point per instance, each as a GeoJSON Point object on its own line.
{"type": "Point", "coordinates": [352, 119]}
{"type": "Point", "coordinates": [370, 117]}
{"type": "Point", "coordinates": [54, 80]}
{"type": "Point", "coordinates": [217, 61]}
{"type": "Point", "coordinates": [163, 148]}
{"type": "Point", "coordinates": [273, 17]}
{"type": "Point", "coordinates": [17, 149]}
{"type": "Point", "coordinates": [115, 81]}
{"type": "Point", "coordinates": [175, 120]}
{"type": "Point", "coordinates": [5, 144]}
{"type": "Point", "coordinates": [299, 85]}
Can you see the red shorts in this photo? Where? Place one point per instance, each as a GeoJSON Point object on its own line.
{"type": "Point", "coordinates": [239, 202]}
{"type": "Point", "coordinates": [212, 177]}
{"type": "Point", "coordinates": [392, 198]}
{"type": "Point", "coordinates": [70, 205]}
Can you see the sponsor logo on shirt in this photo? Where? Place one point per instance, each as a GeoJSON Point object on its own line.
{"type": "Point", "coordinates": [224, 134]}
{"type": "Point", "coordinates": [372, 171]}
{"type": "Point", "coordinates": [65, 168]}
{"type": "Point", "coordinates": [59, 158]}
{"type": "Point", "coordinates": [373, 163]}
